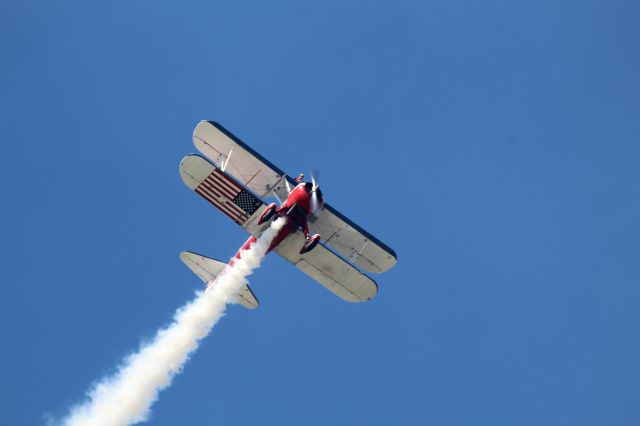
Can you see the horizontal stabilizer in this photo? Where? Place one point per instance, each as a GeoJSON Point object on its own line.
{"type": "Point", "coordinates": [208, 269]}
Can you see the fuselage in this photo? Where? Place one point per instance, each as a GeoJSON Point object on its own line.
{"type": "Point", "coordinates": [297, 208]}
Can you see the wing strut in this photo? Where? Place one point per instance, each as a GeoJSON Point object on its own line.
{"type": "Point", "coordinates": [223, 163]}
{"type": "Point", "coordinates": [359, 252]}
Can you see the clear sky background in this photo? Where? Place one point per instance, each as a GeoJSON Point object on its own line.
{"type": "Point", "coordinates": [494, 145]}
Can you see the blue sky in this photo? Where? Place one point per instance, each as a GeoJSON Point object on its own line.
{"type": "Point", "coordinates": [494, 145]}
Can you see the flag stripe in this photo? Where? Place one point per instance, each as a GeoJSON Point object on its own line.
{"type": "Point", "coordinates": [216, 203]}
{"type": "Point", "coordinates": [230, 192]}
{"type": "Point", "coordinates": [213, 196]}
{"type": "Point", "coordinates": [211, 201]}
{"type": "Point", "coordinates": [222, 200]}
{"type": "Point", "coordinates": [211, 189]}
{"type": "Point", "coordinates": [217, 194]}
{"type": "Point", "coordinates": [226, 186]}
{"type": "Point", "coordinates": [228, 196]}
{"type": "Point", "coordinates": [226, 180]}
{"type": "Point", "coordinates": [221, 173]}
{"type": "Point", "coordinates": [232, 215]}
{"type": "Point", "coordinates": [233, 189]}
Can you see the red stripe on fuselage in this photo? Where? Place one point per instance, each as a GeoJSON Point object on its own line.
{"type": "Point", "coordinates": [289, 228]}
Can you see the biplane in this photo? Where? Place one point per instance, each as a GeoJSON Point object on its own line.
{"type": "Point", "coordinates": [316, 238]}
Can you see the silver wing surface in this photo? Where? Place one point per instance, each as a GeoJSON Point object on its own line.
{"type": "Point", "coordinates": [351, 241]}
{"type": "Point", "coordinates": [249, 168]}
{"type": "Point", "coordinates": [238, 159]}
{"type": "Point", "coordinates": [324, 266]}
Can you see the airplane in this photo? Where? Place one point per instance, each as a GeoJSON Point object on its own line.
{"type": "Point", "coordinates": [236, 180]}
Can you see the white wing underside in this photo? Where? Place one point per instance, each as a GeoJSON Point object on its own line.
{"type": "Point", "coordinates": [328, 269]}
{"type": "Point", "coordinates": [238, 160]}
{"type": "Point", "coordinates": [341, 235]}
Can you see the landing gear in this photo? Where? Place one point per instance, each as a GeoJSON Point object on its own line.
{"type": "Point", "coordinates": [267, 214]}
{"type": "Point", "coordinates": [310, 244]}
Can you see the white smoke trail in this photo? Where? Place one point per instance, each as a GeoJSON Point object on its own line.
{"type": "Point", "coordinates": [126, 397]}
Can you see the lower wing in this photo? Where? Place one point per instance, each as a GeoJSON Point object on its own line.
{"type": "Point", "coordinates": [329, 269]}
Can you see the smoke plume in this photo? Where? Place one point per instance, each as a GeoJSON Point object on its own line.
{"type": "Point", "coordinates": [126, 397]}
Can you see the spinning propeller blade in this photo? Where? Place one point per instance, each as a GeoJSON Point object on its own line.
{"type": "Point", "coordinates": [314, 196]}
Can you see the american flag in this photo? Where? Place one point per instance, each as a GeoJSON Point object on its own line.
{"type": "Point", "coordinates": [228, 196]}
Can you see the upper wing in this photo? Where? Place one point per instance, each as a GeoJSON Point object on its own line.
{"type": "Point", "coordinates": [238, 159]}
{"type": "Point", "coordinates": [328, 269]}
{"type": "Point", "coordinates": [252, 170]}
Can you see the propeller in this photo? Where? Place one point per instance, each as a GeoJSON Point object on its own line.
{"type": "Point", "coordinates": [314, 196]}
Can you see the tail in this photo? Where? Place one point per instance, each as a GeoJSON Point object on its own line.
{"type": "Point", "coordinates": [208, 269]}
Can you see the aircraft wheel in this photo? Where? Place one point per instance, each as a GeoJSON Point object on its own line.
{"type": "Point", "coordinates": [311, 244]}
{"type": "Point", "coordinates": [267, 214]}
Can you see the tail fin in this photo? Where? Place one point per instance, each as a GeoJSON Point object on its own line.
{"type": "Point", "coordinates": [208, 269]}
